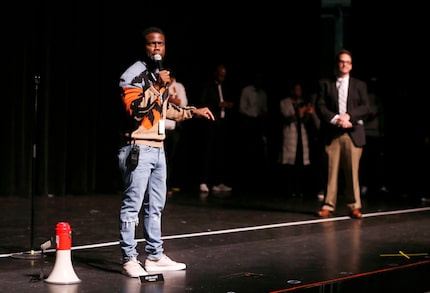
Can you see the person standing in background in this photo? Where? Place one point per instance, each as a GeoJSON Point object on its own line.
{"type": "Point", "coordinates": [317, 152]}
{"type": "Point", "coordinates": [142, 160]}
{"type": "Point", "coordinates": [253, 157]}
{"type": "Point", "coordinates": [297, 117]}
{"type": "Point", "coordinates": [216, 135]}
{"type": "Point", "coordinates": [343, 106]}
{"type": "Point", "coordinates": [178, 97]}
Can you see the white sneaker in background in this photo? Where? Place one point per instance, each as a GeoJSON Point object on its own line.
{"type": "Point", "coordinates": [204, 187]}
{"type": "Point", "coordinates": [221, 187]}
{"type": "Point", "coordinates": [225, 187]}
{"type": "Point", "coordinates": [216, 188]}
{"type": "Point", "coordinates": [383, 189]}
{"type": "Point", "coordinates": [320, 196]}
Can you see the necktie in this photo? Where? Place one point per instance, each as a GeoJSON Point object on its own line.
{"type": "Point", "coordinates": [221, 99]}
{"type": "Point", "coordinates": [342, 92]}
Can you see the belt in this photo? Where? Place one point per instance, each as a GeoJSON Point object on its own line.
{"type": "Point", "coordinates": [136, 140]}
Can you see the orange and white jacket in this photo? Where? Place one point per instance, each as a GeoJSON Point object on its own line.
{"type": "Point", "coordinates": [147, 107]}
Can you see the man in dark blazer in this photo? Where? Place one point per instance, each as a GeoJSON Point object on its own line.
{"type": "Point", "coordinates": [342, 105]}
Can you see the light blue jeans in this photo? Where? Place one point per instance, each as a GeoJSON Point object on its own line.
{"type": "Point", "coordinates": [146, 185]}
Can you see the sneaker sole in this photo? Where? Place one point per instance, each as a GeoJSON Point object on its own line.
{"type": "Point", "coordinates": [131, 276]}
{"type": "Point", "coordinates": [167, 268]}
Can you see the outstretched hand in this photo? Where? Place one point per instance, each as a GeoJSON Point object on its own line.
{"type": "Point", "coordinates": [204, 112]}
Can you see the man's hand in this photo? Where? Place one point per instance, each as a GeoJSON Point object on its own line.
{"type": "Point", "coordinates": [343, 121]}
{"type": "Point", "coordinates": [163, 79]}
{"type": "Point", "coordinates": [204, 112]}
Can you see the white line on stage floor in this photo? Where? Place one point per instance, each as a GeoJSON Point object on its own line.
{"type": "Point", "coordinates": [243, 229]}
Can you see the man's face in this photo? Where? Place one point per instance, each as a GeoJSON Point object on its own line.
{"type": "Point", "coordinates": [155, 44]}
{"type": "Point", "coordinates": [344, 64]}
{"type": "Point", "coordinates": [220, 73]}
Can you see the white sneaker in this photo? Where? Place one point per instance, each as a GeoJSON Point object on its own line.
{"type": "Point", "coordinates": [216, 188]}
{"type": "Point", "coordinates": [133, 268]}
{"type": "Point", "coordinates": [225, 187]}
{"type": "Point", "coordinates": [383, 188]}
{"type": "Point", "coordinates": [221, 187]}
{"type": "Point", "coordinates": [204, 187]}
{"type": "Point", "coordinates": [163, 264]}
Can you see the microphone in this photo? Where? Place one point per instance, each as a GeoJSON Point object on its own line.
{"type": "Point", "coordinates": [158, 62]}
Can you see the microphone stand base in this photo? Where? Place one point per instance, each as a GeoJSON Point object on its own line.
{"type": "Point", "coordinates": [27, 255]}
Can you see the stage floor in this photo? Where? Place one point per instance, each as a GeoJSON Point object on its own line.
{"type": "Point", "coordinates": [231, 242]}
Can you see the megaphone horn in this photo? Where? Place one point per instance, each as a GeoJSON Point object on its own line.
{"type": "Point", "coordinates": [63, 272]}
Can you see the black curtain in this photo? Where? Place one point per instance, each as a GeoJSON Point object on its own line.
{"type": "Point", "coordinates": [392, 47]}
{"type": "Point", "coordinates": [68, 57]}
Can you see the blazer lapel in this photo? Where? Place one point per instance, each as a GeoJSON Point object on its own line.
{"type": "Point", "coordinates": [335, 95]}
{"type": "Point", "coordinates": [351, 86]}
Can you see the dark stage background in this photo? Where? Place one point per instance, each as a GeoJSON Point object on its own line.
{"type": "Point", "coordinates": [67, 142]}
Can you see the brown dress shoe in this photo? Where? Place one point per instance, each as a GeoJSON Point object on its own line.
{"type": "Point", "coordinates": [324, 213]}
{"type": "Point", "coordinates": [356, 214]}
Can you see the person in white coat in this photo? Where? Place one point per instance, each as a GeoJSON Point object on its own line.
{"type": "Point", "coordinates": [295, 153]}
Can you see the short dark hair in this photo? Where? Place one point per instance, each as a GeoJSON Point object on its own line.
{"type": "Point", "coordinates": [150, 30]}
{"type": "Point", "coordinates": [340, 52]}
